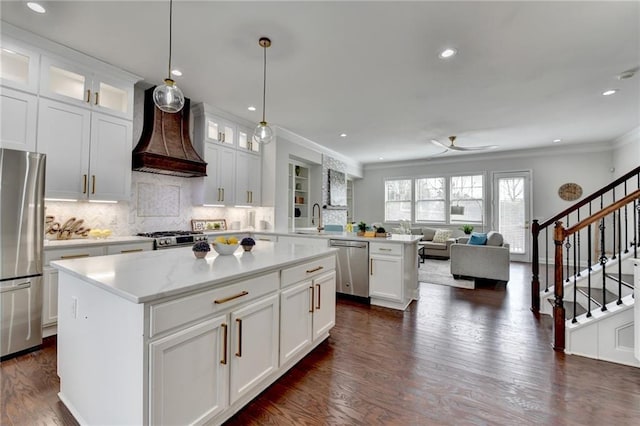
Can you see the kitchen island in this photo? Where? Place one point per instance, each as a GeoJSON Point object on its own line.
{"type": "Point", "coordinates": [161, 337]}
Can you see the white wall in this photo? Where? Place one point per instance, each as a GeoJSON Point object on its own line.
{"type": "Point", "coordinates": [588, 166]}
{"type": "Point", "coordinates": [626, 152]}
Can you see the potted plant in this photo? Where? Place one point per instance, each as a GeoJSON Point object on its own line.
{"type": "Point", "coordinates": [200, 249]}
{"type": "Point", "coordinates": [361, 228]}
{"type": "Point", "coordinates": [247, 243]}
{"type": "Point", "coordinates": [381, 232]}
{"type": "Point", "coordinates": [467, 229]}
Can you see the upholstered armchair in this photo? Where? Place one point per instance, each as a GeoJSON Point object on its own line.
{"type": "Point", "coordinates": [489, 260]}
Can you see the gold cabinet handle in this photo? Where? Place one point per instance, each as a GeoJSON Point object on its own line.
{"type": "Point", "coordinates": [84, 184]}
{"type": "Point", "coordinates": [371, 267]}
{"type": "Point", "coordinates": [219, 136]}
{"type": "Point", "coordinates": [384, 249]}
{"type": "Point", "coordinates": [312, 297]}
{"type": "Point", "coordinates": [309, 271]}
{"type": "Point", "coordinates": [239, 353]}
{"type": "Point", "coordinates": [224, 344]}
{"type": "Point", "coordinates": [97, 101]}
{"type": "Point", "coordinates": [263, 239]}
{"type": "Point", "coordinates": [227, 299]}
{"type": "Point", "coordinates": [318, 305]}
{"type": "Point", "coordinates": [130, 251]}
{"type": "Point", "coordinates": [88, 96]}
{"type": "Point", "coordinates": [74, 256]}
{"type": "Point", "coordinates": [222, 194]}
{"type": "Point", "coordinates": [93, 184]}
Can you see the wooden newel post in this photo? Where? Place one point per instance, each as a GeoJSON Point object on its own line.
{"type": "Point", "coordinates": [558, 289]}
{"type": "Point", "coordinates": [535, 268]}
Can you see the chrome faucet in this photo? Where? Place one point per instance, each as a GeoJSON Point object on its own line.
{"type": "Point", "coordinates": [313, 215]}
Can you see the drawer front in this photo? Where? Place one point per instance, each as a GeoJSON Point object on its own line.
{"type": "Point", "coordinates": [174, 313]}
{"type": "Point", "coordinates": [385, 248]}
{"type": "Point", "coordinates": [129, 247]}
{"type": "Point", "coordinates": [272, 238]}
{"type": "Point", "coordinates": [307, 270]}
{"type": "Point", "coordinates": [72, 253]}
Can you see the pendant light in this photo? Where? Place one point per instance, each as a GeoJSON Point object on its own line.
{"type": "Point", "coordinates": [263, 133]}
{"type": "Point", "coordinates": [168, 97]}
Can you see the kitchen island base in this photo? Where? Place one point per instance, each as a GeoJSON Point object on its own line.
{"type": "Point", "coordinates": [193, 358]}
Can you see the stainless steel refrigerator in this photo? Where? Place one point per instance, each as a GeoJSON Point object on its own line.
{"type": "Point", "coordinates": [21, 238]}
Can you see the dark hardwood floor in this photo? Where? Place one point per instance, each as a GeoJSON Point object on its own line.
{"type": "Point", "coordinates": [463, 357]}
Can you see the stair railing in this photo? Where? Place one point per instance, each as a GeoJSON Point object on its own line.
{"type": "Point", "coordinates": [562, 239]}
{"type": "Point", "coordinates": [573, 214]}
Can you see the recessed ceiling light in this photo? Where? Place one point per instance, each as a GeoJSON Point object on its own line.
{"type": "Point", "coordinates": [343, 135]}
{"type": "Point", "coordinates": [177, 73]}
{"type": "Point", "coordinates": [447, 53]}
{"type": "Point", "coordinates": [557, 140]}
{"type": "Point", "coordinates": [36, 7]}
{"type": "Point", "coordinates": [609, 92]}
{"type": "Point", "coordinates": [251, 108]}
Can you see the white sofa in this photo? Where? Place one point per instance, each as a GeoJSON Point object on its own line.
{"type": "Point", "coordinates": [490, 261]}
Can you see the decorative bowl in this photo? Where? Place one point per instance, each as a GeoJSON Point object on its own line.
{"type": "Point", "coordinates": [247, 247]}
{"type": "Point", "coordinates": [225, 249]}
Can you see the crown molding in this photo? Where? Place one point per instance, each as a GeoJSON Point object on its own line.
{"type": "Point", "coordinates": [628, 138]}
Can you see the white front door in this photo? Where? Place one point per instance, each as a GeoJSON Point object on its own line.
{"type": "Point", "coordinates": [512, 211]}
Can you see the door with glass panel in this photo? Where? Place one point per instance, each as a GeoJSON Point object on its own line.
{"type": "Point", "coordinates": [512, 211]}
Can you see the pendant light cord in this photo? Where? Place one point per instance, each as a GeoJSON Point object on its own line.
{"type": "Point", "coordinates": [264, 83]}
{"type": "Point", "coordinates": [170, 33]}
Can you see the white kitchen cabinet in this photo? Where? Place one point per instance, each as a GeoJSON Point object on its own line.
{"type": "Point", "coordinates": [324, 309]}
{"type": "Point", "coordinates": [18, 116]}
{"type": "Point", "coordinates": [49, 298]}
{"type": "Point", "coordinates": [80, 85]}
{"type": "Point", "coordinates": [129, 247]}
{"type": "Point", "coordinates": [247, 179]}
{"type": "Point", "coordinates": [254, 344]}
{"type": "Point", "coordinates": [218, 130]}
{"type": "Point", "coordinates": [88, 153]}
{"type": "Point", "coordinates": [245, 140]}
{"type": "Point", "coordinates": [393, 274]}
{"type": "Point", "coordinates": [218, 187]}
{"type": "Point", "coordinates": [189, 374]}
{"type": "Point", "coordinates": [20, 65]}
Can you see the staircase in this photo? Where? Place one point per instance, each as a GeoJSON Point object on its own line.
{"type": "Point", "coordinates": [588, 284]}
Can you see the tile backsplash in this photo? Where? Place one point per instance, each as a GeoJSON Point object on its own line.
{"type": "Point", "coordinates": [158, 203]}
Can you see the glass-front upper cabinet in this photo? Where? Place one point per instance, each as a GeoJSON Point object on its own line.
{"type": "Point", "coordinates": [218, 130]}
{"type": "Point", "coordinates": [75, 84]}
{"type": "Point", "coordinates": [245, 140]}
{"type": "Point", "coordinates": [18, 66]}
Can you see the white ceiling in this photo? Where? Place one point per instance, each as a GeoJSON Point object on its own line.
{"type": "Point", "coordinates": [526, 72]}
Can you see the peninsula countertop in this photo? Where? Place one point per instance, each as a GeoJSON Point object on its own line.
{"type": "Point", "coordinates": [151, 275]}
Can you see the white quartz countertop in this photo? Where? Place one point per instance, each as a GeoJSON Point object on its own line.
{"type": "Point", "coordinates": [84, 242]}
{"type": "Point", "coordinates": [151, 275]}
{"type": "Point", "coordinates": [393, 238]}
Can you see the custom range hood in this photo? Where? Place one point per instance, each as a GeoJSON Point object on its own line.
{"type": "Point", "coordinates": [165, 146]}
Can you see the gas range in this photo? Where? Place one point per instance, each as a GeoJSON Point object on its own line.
{"type": "Point", "coordinates": [174, 239]}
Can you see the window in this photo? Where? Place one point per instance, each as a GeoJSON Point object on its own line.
{"type": "Point", "coordinates": [430, 200]}
{"type": "Point", "coordinates": [435, 199]}
{"type": "Point", "coordinates": [466, 199]}
{"type": "Point", "coordinates": [397, 200]}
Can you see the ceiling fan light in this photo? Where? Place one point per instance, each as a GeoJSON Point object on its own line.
{"type": "Point", "coordinates": [168, 97]}
{"type": "Point", "coordinates": [263, 133]}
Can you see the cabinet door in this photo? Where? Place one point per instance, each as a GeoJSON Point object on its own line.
{"type": "Point", "coordinates": [188, 374]}
{"type": "Point", "coordinates": [212, 192]}
{"type": "Point", "coordinates": [63, 134]}
{"type": "Point", "coordinates": [49, 296]}
{"type": "Point", "coordinates": [112, 96]}
{"type": "Point", "coordinates": [129, 248]}
{"type": "Point", "coordinates": [19, 68]}
{"type": "Point", "coordinates": [227, 175]}
{"type": "Point", "coordinates": [65, 81]}
{"type": "Point", "coordinates": [296, 320]}
{"type": "Point", "coordinates": [245, 140]}
{"type": "Point", "coordinates": [110, 165]}
{"type": "Point", "coordinates": [385, 277]}
{"type": "Point", "coordinates": [254, 345]}
{"type": "Point", "coordinates": [324, 309]}
{"type": "Point", "coordinates": [247, 179]}
{"type": "Point", "coordinates": [18, 120]}
{"type": "Point", "coordinates": [220, 131]}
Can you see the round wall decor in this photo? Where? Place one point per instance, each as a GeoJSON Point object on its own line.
{"type": "Point", "coordinates": [570, 191]}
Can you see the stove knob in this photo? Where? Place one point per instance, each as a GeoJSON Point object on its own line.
{"type": "Point", "coordinates": [160, 242]}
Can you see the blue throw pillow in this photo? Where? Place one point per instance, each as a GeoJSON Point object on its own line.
{"type": "Point", "coordinates": [478, 239]}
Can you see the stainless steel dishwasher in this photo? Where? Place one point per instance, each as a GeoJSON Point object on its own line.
{"type": "Point", "coordinates": [352, 272]}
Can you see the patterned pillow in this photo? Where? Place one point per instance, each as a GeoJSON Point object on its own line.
{"type": "Point", "coordinates": [441, 236]}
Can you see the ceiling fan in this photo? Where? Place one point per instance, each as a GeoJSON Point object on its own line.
{"type": "Point", "coordinates": [452, 146]}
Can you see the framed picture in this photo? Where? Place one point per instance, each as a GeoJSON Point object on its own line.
{"type": "Point", "coordinates": [204, 225]}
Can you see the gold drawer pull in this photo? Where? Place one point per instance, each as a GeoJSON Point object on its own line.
{"type": "Point", "coordinates": [314, 269]}
{"type": "Point", "coordinates": [227, 299]}
{"type": "Point", "coordinates": [224, 344]}
{"type": "Point", "coordinates": [130, 251]}
{"type": "Point", "coordinates": [384, 249]}
{"type": "Point", "coordinates": [74, 256]}
{"type": "Point", "coordinates": [264, 239]}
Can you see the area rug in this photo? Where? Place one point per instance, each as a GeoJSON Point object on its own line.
{"type": "Point", "coordinates": [437, 271]}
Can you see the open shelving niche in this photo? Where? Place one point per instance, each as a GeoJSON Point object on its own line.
{"type": "Point", "coordinates": [298, 196]}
